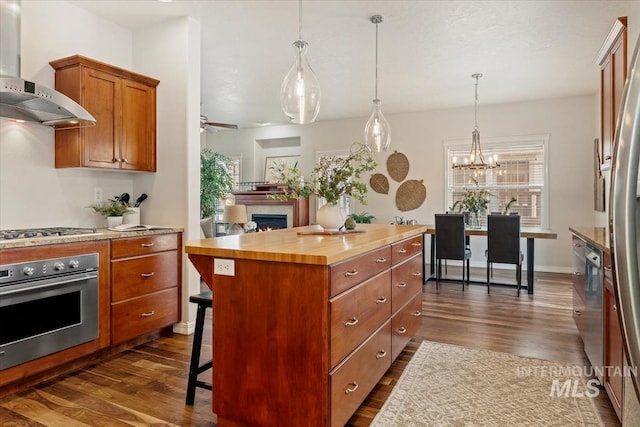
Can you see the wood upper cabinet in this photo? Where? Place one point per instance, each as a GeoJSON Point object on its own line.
{"type": "Point", "coordinates": [124, 105]}
{"type": "Point", "coordinates": [612, 59]}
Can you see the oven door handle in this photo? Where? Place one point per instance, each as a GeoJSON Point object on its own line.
{"type": "Point", "coordinates": [46, 284]}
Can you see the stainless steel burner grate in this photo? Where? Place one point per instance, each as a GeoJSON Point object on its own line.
{"type": "Point", "coordinates": [30, 233]}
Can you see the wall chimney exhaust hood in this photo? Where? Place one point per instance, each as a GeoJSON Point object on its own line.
{"type": "Point", "coordinates": [26, 101]}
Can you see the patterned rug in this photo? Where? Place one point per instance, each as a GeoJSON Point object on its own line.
{"type": "Point", "coordinates": [449, 385]}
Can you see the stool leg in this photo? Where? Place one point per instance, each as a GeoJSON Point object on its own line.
{"type": "Point", "coordinates": [195, 354]}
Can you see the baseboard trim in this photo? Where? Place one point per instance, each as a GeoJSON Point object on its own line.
{"type": "Point", "coordinates": [184, 328]}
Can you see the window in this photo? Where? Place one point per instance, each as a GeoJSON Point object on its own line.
{"type": "Point", "coordinates": [522, 175]}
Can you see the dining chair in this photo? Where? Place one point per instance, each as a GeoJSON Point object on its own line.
{"type": "Point", "coordinates": [503, 244]}
{"type": "Point", "coordinates": [451, 243]}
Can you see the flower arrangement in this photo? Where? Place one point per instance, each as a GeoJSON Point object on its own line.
{"type": "Point", "coordinates": [475, 200]}
{"type": "Point", "coordinates": [332, 177]}
{"type": "Point", "coordinates": [250, 227]}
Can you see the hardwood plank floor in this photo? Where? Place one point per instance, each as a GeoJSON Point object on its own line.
{"type": "Point", "coordinates": [146, 385]}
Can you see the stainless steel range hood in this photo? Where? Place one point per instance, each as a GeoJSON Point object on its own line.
{"type": "Point", "coordinates": [27, 101]}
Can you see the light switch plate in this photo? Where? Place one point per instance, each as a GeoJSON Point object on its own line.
{"type": "Point", "coordinates": [224, 267]}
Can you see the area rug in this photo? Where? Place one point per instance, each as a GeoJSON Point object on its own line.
{"type": "Point", "coordinates": [450, 385]}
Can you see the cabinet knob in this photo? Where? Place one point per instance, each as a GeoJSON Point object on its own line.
{"type": "Point", "coordinates": [614, 308]}
{"type": "Point", "coordinates": [125, 160]}
{"type": "Point", "coordinates": [402, 285]}
{"type": "Point", "coordinates": [401, 331]}
{"type": "Point", "coordinates": [417, 274]}
{"type": "Point", "coordinates": [417, 313]}
{"type": "Point", "coordinates": [577, 312]}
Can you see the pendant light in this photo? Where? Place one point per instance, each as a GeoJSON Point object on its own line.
{"type": "Point", "coordinates": [476, 160]}
{"type": "Point", "coordinates": [377, 133]}
{"type": "Point", "coordinates": [300, 92]}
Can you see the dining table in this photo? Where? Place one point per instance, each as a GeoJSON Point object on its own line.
{"type": "Point", "coordinates": [529, 233]}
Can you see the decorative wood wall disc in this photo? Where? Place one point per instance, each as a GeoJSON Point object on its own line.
{"type": "Point", "coordinates": [411, 195]}
{"type": "Point", "coordinates": [398, 166]}
{"type": "Point", "coordinates": [379, 183]}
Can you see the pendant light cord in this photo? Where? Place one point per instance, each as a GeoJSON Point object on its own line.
{"type": "Point", "coordinates": [477, 76]}
{"type": "Point", "coordinates": [300, 20]}
{"type": "Point", "coordinates": [376, 60]}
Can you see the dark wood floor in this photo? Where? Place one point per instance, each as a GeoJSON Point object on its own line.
{"type": "Point", "coordinates": [146, 385]}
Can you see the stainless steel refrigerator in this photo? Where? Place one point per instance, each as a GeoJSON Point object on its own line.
{"type": "Point", "coordinates": [624, 226]}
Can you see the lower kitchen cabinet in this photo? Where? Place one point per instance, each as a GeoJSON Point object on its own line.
{"type": "Point", "coordinates": [145, 285]}
{"type": "Point", "coordinates": [613, 344]}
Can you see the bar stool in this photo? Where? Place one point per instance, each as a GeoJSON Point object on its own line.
{"type": "Point", "coordinates": [204, 300]}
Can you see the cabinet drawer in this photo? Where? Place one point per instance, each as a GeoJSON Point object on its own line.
{"type": "Point", "coordinates": [138, 276]}
{"type": "Point", "coordinates": [143, 245]}
{"type": "Point", "coordinates": [352, 381]}
{"type": "Point", "coordinates": [405, 249]}
{"type": "Point", "coordinates": [141, 315]}
{"type": "Point", "coordinates": [405, 324]}
{"type": "Point", "coordinates": [356, 313]}
{"type": "Point", "coordinates": [406, 281]}
{"type": "Point", "coordinates": [358, 269]}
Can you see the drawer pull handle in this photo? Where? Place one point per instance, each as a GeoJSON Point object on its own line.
{"type": "Point", "coordinates": [381, 354]}
{"type": "Point", "coordinates": [351, 273]}
{"type": "Point", "coordinates": [577, 312]}
{"type": "Point", "coordinates": [402, 285]}
{"type": "Point", "coordinates": [577, 245]}
{"type": "Point", "coordinates": [417, 274]}
{"type": "Point", "coordinates": [607, 267]}
{"type": "Point", "coordinates": [145, 275]}
{"type": "Point", "coordinates": [147, 245]}
{"type": "Point", "coordinates": [418, 244]}
{"type": "Point", "coordinates": [125, 160]}
{"type": "Point", "coordinates": [577, 273]}
{"type": "Point", "coordinates": [401, 331]}
{"type": "Point", "coordinates": [417, 313]}
{"type": "Point", "coordinates": [402, 251]}
{"type": "Point", "coordinates": [381, 260]}
{"type": "Point", "coordinates": [354, 387]}
{"type": "Point", "coordinates": [615, 308]}
{"type": "Point", "coordinates": [351, 322]}
{"type": "Point", "coordinates": [148, 314]}
{"type": "Point", "coordinates": [381, 300]}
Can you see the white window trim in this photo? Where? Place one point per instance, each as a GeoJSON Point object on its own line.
{"type": "Point", "coordinates": [500, 141]}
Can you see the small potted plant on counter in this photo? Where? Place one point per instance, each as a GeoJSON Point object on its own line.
{"type": "Point", "coordinates": [113, 210]}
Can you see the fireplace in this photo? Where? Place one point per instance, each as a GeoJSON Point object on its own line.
{"type": "Point", "coordinates": [272, 221]}
{"type": "Point", "coordinates": [259, 202]}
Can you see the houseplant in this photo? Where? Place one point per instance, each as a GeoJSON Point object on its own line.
{"type": "Point", "coordinates": [475, 201]}
{"type": "Point", "coordinates": [332, 178]}
{"type": "Point", "coordinates": [216, 181]}
{"type": "Point", "coordinates": [112, 210]}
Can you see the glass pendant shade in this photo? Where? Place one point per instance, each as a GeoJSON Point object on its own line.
{"type": "Point", "coordinates": [300, 92]}
{"type": "Point", "coordinates": [377, 133]}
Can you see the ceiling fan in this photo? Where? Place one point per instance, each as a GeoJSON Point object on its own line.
{"type": "Point", "coordinates": [205, 124]}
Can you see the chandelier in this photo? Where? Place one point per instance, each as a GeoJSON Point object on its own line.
{"type": "Point", "coordinates": [476, 160]}
{"type": "Point", "coordinates": [300, 92]}
{"type": "Point", "coordinates": [377, 133]}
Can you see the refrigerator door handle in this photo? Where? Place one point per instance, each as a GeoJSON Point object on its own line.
{"type": "Point", "coordinates": [624, 215]}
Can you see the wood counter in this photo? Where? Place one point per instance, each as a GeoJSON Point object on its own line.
{"type": "Point", "coordinates": [304, 326]}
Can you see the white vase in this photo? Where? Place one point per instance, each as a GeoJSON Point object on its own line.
{"type": "Point", "coordinates": [330, 216]}
{"type": "Point", "coordinates": [112, 221]}
{"type": "Point", "coordinates": [132, 216]}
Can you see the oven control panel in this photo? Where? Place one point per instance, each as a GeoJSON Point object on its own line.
{"type": "Point", "coordinates": [41, 269]}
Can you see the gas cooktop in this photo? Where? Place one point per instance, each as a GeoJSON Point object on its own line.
{"type": "Point", "coordinates": [34, 233]}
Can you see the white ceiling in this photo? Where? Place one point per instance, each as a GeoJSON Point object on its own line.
{"type": "Point", "coordinates": [428, 51]}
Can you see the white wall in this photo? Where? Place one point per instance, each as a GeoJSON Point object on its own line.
{"type": "Point", "coordinates": [420, 136]}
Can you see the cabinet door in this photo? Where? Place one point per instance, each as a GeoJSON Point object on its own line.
{"type": "Point", "coordinates": [101, 97]}
{"type": "Point", "coordinates": [138, 133]}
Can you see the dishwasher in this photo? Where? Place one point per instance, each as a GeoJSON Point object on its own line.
{"type": "Point", "coordinates": [593, 318]}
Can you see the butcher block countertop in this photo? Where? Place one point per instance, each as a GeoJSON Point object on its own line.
{"type": "Point", "coordinates": [101, 234]}
{"type": "Point", "coordinates": [295, 245]}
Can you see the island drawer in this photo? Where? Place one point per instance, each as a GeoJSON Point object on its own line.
{"type": "Point", "coordinates": [138, 276]}
{"type": "Point", "coordinates": [352, 381]}
{"type": "Point", "coordinates": [405, 324]}
{"type": "Point", "coordinates": [143, 245]}
{"type": "Point", "coordinates": [358, 269]}
{"type": "Point", "coordinates": [142, 315]}
{"type": "Point", "coordinates": [356, 313]}
{"type": "Point", "coordinates": [406, 281]}
{"type": "Point", "coordinates": [405, 249]}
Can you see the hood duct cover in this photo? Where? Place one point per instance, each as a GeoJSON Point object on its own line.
{"type": "Point", "coordinates": [23, 100]}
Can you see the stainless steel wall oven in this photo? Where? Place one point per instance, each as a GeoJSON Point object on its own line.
{"type": "Point", "coordinates": [46, 306]}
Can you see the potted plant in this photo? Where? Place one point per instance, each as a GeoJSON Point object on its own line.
{"type": "Point", "coordinates": [332, 178]}
{"type": "Point", "coordinates": [112, 210]}
{"type": "Point", "coordinates": [216, 183]}
{"type": "Point", "coordinates": [475, 201]}
{"type": "Point", "coordinates": [362, 218]}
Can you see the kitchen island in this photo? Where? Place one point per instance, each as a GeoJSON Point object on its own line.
{"type": "Point", "coordinates": [305, 325]}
